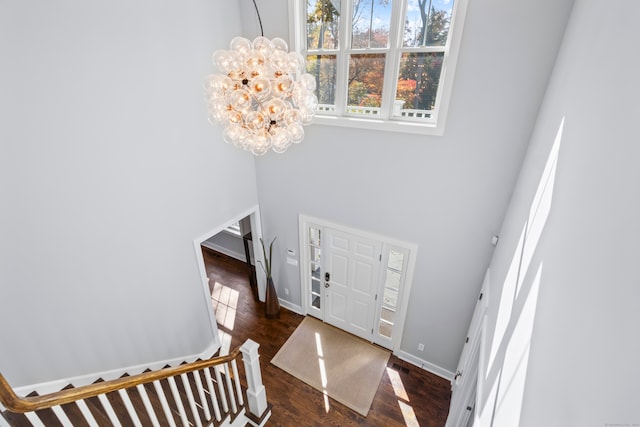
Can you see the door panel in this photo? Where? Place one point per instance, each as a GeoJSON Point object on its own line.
{"type": "Point", "coordinates": [364, 281]}
{"type": "Point", "coordinates": [338, 308]}
{"type": "Point", "coordinates": [360, 316]}
{"type": "Point", "coordinates": [350, 293]}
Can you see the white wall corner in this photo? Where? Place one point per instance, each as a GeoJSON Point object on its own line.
{"type": "Point", "coordinates": [290, 306]}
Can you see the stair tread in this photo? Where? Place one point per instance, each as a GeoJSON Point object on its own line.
{"type": "Point", "coordinates": [16, 420]}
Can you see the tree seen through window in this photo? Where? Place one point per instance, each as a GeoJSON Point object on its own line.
{"type": "Point", "coordinates": [366, 48]}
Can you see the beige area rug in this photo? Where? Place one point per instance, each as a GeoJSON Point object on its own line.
{"type": "Point", "coordinates": [342, 366]}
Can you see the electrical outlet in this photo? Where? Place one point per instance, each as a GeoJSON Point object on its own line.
{"type": "Point", "coordinates": [420, 347]}
{"type": "Point", "coordinates": [286, 291]}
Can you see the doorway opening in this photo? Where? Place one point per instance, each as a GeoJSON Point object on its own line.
{"type": "Point", "coordinates": [236, 241]}
{"type": "Point", "coordinates": [231, 247]}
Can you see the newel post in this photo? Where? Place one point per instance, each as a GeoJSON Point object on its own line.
{"type": "Point", "coordinates": [256, 394]}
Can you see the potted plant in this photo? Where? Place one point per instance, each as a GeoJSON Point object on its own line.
{"type": "Point", "coordinates": [271, 303]}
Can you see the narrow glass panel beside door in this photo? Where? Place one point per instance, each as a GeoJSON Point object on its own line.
{"type": "Point", "coordinates": [316, 279]}
{"type": "Point", "coordinates": [392, 282]}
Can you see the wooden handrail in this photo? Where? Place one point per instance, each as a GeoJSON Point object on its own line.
{"type": "Point", "coordinates": [14, 403]}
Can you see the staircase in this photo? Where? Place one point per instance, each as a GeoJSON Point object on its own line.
{"type": "Point", "coordinates": [203, 393]}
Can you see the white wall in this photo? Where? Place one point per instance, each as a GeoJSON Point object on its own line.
{"type": "Point", "coordinates": [446, 194]}
{"type": "Point", "coordinates": [109, 170]}
{"type": "Point", "coordinates": [565, 329]}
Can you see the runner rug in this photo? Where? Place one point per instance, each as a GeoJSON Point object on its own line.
{"type": "Point", "coordinates": [342, 366]}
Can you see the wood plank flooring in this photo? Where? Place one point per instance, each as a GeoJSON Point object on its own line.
{"type": "Point", "coordinates": [425, 404]}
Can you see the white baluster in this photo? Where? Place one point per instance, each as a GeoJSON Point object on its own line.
{"type": "Point", "coordinates": [82, 405]}
{"type": "Point", "coordinates": [165, 405]}
{"type": "Point", "coordinates": [130, 409]}
{"type": "Point", "coordinates": [190, 399]}
{"type": "Point", "coordinates": [178, 400]}
{"type": "Point", "coordinates": [236, 377]}
{"type": "Point", "coordinates": [232, 398]}
{"type": "Point", "coordinates": [33, 419]}
{"type": "Point", "coordinates": [61, 415]}
{"type": "Point", "coordinates": [203, 399]}
{"type": "Point", "coordinates": [147, 405]}
{"type": "Point", "coordinates": [108, 409]}
{"type": "Point", "coordinates": [221, 393]}
{"type": "Point", "coordinates": [256, 394]}
{"type": "Point", "coordinates": [212, 393]}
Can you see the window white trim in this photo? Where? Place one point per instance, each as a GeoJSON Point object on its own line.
{"type": "Point", "coordinates": [436, 126]}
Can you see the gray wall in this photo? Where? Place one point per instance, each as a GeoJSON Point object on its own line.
{"type": "Point", "coordinates": [565, 329]}
{"type": "Point", "coordinates": [228, 244]}
{"type": "Point", "coordinates": [446, 194]}
{"type": "Point", "coordinates": [109, 170]}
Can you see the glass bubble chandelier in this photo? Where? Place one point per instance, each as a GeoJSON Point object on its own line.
{"type": "Point", "coordinates": [262, 95]}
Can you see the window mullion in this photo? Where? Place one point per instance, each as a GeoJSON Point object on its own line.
{"type": "Point", "coordinates": [392, 62]}
{"type": "Point", "coordinates": [342, 78]}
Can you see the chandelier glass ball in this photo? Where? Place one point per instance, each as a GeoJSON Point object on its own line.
{"type": "Point", "coordinates": [262, 95]}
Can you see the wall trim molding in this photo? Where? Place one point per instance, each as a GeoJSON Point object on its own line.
{"type": "Point", "coordinates": [82, 380]}
{"type": "Point", "coordinates": [423, 364]}
{"type": "Point", "coordinates": [223, 250]}
{"type": "Point", "coordinates": [291, 307]}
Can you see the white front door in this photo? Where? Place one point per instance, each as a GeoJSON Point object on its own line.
{"type": "Point", "coordinates": [350, 282]}
{"type": "Point", "coordinates": [357, 272]}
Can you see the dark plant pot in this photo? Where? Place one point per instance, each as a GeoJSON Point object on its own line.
{"type": "Point", "coordinates": [271, 303]}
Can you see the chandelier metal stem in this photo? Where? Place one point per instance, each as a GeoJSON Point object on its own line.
{"type": "Point", "coordinates": [259, 19]}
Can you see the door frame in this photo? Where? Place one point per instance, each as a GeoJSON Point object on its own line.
{"type": "Point", "coordinates": [256, 229]}
{"type": "Point", "coordinates": [305, 222]}
{"type": "Point", "coordinates": [467, 384]}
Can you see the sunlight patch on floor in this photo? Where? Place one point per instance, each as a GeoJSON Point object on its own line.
{"type": "Point", "coordinates": [408, 414]}
{"type": "Point", "coordinates": [225, 304]}
{"type": "Point", "coordinates": [396, 382]}
{"type": "Point", "coordinates": [225, 342]}
{"type": "Point", "coordinates": [323, 372]}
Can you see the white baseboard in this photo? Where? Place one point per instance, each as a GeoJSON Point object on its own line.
{"type": "Point", "coordinates": [423, 364]}
{"type": "Point", "coordinates": [223, 250]}
{"type": "Point", "coordinates": [292, 307]}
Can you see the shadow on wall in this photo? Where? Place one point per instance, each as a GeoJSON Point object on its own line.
{"type": "Point", "coordinates": [505, 371]}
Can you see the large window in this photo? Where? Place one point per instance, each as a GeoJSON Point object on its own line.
{"type": "Point", "coordinates": [381, 63]}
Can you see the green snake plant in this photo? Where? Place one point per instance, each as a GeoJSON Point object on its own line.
{"type": "Point", "coordinates": [267, 259]}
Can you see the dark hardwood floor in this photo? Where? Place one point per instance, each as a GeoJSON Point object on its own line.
{"type": "Point", "coordinates": [425, 404]}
